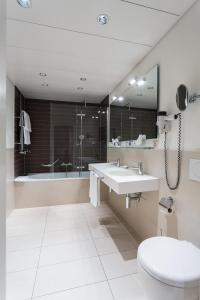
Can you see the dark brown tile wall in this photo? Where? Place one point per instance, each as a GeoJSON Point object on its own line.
{"type": "Point", "coordinates": [121, 125]}
{"type": "Point", "coordinates": [55, 135]}
{"type": "Point", "coordinates": [39, 112]}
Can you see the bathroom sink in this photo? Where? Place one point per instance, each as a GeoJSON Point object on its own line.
{"type": "Point", "coordinates": [124, 181]}
{"type": "Point", "coordinates": [122, 173]}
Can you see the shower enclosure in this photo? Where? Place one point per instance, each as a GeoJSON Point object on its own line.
{"type": "Point", "coordinates": [66, 137]}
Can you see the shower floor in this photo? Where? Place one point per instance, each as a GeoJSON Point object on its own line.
{"type": "Point", "coordinates": [70, 252]}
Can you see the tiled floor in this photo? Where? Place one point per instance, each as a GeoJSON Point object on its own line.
{"type": "Point", "coordinates": [70, 252]}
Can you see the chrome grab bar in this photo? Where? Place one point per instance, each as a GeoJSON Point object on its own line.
{"type": "Point", "coordinates": [80, 167]}
{"type": "Point", "coordinates": [66, 164]}
{"type": "Point", "coordinates": [50, 165]}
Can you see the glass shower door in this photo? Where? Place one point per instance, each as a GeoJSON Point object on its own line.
{"type": "Point", "coordinates": [88, 136]}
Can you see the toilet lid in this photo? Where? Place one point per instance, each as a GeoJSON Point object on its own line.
{"type": "Point", "coordinates": [174, 262]}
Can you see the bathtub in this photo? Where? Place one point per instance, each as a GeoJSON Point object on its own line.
{"type": "Point", "coordinates": [45, 189]}
{"type": "Point", "coordinates": [53, 176]}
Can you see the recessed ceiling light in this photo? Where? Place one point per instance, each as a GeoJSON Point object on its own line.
{"type": "Point", "coordinates": [121, 98]}
{"type": "Point", "coordinates": [114, 98]}
{"type": "Point", "coordinates": [43, 74]}
{"type": "Point", "coordinates": [103, 19]}
{"type": "Point", "coordinates": [44, 84]}
{"type": "Point", "coordinates": [79, 88]}
{"type": "Point", "coordinates": [83, 79]}
{"type": "Point", "coordinates": [132, 81]}
{"type": "Point", "coordinates": [141, 82]}
{"type": "Point", "coordinates": [24, 3]}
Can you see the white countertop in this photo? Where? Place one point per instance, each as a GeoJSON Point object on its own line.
{"type": "Point", "coordinates": [125, 181]}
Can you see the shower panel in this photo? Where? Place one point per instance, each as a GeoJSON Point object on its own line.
{"type": "Point", "coordinates": [66, 137]}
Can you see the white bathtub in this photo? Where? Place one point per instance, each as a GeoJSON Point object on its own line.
{"type": "Point", "coordinates": [53, 176]}
{"type": "Point", "coordinates": [44, 189]}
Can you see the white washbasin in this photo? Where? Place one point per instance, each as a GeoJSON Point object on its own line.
{"type": "Point", "coordinates": [122, 172]}
{"type": "Point", "coordinates": [124, 181]}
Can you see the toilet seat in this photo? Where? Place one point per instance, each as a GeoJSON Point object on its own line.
{"type": "Point", "coordinates": [173, 262]}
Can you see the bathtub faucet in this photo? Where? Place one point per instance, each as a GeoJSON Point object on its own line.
{"type": "Point", "coordinates": [50, 165]}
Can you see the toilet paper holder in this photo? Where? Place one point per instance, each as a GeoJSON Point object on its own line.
{"type": "Point", "coordinates": [167, 202]}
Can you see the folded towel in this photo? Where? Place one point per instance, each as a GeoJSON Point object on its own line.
{"type": "Point", "coordinates": [94, 192]}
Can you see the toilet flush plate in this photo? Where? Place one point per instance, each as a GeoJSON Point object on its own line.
{"type": "Point", "coordinates": [194, 169]}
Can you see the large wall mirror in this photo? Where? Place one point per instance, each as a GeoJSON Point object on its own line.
{"type": "Point", "coordinates": [133, 113]}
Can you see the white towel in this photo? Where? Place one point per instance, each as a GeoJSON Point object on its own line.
{"type": "Point", "coordinates": [25, 121]}
{"type": "Point", "coordinates": [94, 193]}
{"type": "Point", "coordinates": [25, 125]}
{"type": "Point", "coordinates": [27, 139]}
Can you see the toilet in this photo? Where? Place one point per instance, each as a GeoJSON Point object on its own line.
{"type": "Point", "coordinates": [169, 269]}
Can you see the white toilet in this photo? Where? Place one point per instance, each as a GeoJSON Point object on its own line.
{"type": "Point", "coordinates": [169, 269]}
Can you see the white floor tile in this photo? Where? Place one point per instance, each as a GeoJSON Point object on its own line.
{"type": "Point", "coordinates": [22, 260]}
{"type": "Point", "coordinates": [20, 285]}
{"type": "Point", "coordinates": [28, 216]}
{"type": "Point", "coordinates": [28, 229]}
{"type": "Point", "coordinates": [99, 291]}
{"type": "Point", "coordinates": [67, 252]}
{"type": "Point", "coordinates": [57, 223]}
{"type": "Point", "coordinates": [24, 242]}
{"type": "Point", "coordinates": [66, 236]}
{"type": "Point", "coordinates": [68, 275]}
{"type": "Point", "coordinates": [127, 288]}
{"type": "Point", "coordinates": [117, 243]}
{"type": "Point", "coordinates": [120, 264]}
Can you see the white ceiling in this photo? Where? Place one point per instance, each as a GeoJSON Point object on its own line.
{"type": "Point", "coordinates": [63, 39]}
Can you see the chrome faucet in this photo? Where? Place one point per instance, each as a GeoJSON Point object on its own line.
{"type": "Point", "coordinates": [139, 168]}
{"type": "Point", "coordinates": [117, 163]}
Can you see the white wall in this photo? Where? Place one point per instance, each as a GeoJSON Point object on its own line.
{"type": "Point", "coordinates": [2, 144]}
{"type": "Point", "coordinates": [178, 56]}
{"type": "Point", "coordinates": [10, 190]}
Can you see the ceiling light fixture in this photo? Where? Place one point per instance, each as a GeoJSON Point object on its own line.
{"type": "Point", "coordinates": [83, 79]}
{"type": "Point", "coordinates": [121, 98]}
{"type": "Point", "coordinates": [103, 19]}
{"type": "Point", "coordinates": [79, 88]}
{"type": "Point", "coordinates": [43, 74]}
{"type": "Point", "coordinates": [24, 3]}
{"type": "Point", "coordinates": [132, 81]}
{"type": "Point", "coordinates": [141, 82]}
{"type": "Point", "coordinates": [44, 84]}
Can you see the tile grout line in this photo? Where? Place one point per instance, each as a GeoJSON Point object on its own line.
{"type": "Point", "coordinates": [37, 268]}
{"type": "Point", "coordinates": [68, 289]}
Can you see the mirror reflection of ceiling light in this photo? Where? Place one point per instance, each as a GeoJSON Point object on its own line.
{"type": "Point", "coordinates": [114, 98]}
{"type": "Point", "coordinates": [132, 81]}
{"type": "Point", "coordinates": [103, 19]}
{"type": "Point", "coordinates": [24, 3]}
{"type": "Point", "coordinates": [121, 98]}
{"type": "Point", "coordinates": [141, 82]}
